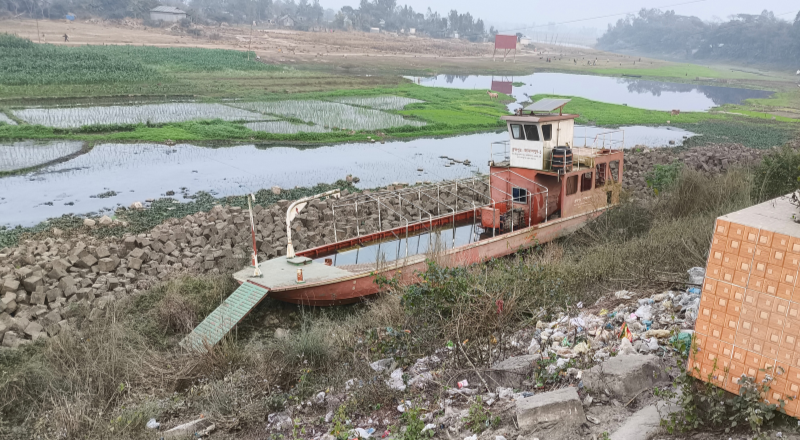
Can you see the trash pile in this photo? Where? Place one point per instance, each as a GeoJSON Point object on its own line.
{"type": "Point", "coordinates": [597, 362]}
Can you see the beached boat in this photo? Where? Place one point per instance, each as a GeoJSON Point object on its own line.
{"type": "Point", "coordinates": [541, 186]}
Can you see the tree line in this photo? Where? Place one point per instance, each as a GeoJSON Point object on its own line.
{"type": "Point", "coordinates": [385, 14]}
{"type": "Point", "coordinates": [744, 37]}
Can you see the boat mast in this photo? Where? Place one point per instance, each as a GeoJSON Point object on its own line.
{"type": "Point", "coordinates": [257, 271]}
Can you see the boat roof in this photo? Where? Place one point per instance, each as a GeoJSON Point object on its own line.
{"type": "Point", "coordinates": [547, 105]}
{"type": "Point", "coordinates": [537, 118]}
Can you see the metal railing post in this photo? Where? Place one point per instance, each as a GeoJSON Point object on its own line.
{"type": "Point", "coordinates": [333, 210]}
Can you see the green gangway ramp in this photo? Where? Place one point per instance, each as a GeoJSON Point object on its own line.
{"type": "Point", "coordinates": [225, 317]}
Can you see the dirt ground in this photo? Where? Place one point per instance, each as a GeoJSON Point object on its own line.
{"type": "Point", "coordinates": [338, 49]}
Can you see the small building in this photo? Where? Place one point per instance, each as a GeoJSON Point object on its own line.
{"type": "Point", "coordinates": [374, 30]}
{"type": "Point", "coordinates": [412, 31]}
{"type": "Point", "coordinates": [525, 41]}
{"type": "Point", "coordinates": [286, 21]}
{"type": "Point", "coordinates": [167, 13]}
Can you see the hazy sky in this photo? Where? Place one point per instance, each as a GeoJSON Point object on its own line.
{"type": "Point", "coordinates": [515, 12]}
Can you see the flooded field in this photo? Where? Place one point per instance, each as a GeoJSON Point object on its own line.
{"type": "Point", "coordinates": [380, 102]}
{"type": "Point", "coordinates": [331, 114]}
{"type": "Point", "coordinates": [135, 114]}
{"type": "Point", "coordinates": [6, 119]}
{"type": "Point", "coordinates": [352, 113]}
{"type": "Point", "coordinates": [26, 154]}
{"type": "Point", "coordinates": [136, 172]}
{"type": "Point", "coordinates": [635, 92]}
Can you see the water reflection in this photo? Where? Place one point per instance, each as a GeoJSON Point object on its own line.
{"type": "Point", "coordinates": [634, 92]}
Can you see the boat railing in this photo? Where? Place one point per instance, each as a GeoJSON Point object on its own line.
{"type": "Point", "coordinates": [418, 197]}
{"type": "Point", "coordinates": [499, 151]}
{"type": "Point", "coordinates": [608, 140]}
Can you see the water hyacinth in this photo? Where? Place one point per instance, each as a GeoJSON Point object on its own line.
{"type": "Point", "coordinates": [136, 114]}
{"type": "Point", "coordinates": [331, 114]}
{"type": "Point", "coordinates": [20, 155]}
{"type": "Point", "coordinates": [380, 102]}
{"type": "Point", "coordinates": [285, 127]}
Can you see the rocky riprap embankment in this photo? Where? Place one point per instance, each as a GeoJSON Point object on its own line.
{"type": "Point", "coordinates": [51, 283]}
{"type": "Point", "coordinates": [712, 158]}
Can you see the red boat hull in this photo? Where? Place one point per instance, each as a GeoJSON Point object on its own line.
{"type": "Point", "coordinates": [354, 288]}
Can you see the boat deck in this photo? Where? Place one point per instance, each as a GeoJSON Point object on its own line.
{"type": "Point", "coordinates": [278, 273]}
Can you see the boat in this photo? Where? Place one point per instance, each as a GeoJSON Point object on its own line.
{"type": "Point", "coordinates": [540, 187]}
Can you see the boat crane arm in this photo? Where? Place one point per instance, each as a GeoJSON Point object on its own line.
{"type": "Point", "coordinates": [295, 209]}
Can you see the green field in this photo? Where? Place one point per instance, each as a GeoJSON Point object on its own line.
{"type": "Point", "coordinates": [445, 111]}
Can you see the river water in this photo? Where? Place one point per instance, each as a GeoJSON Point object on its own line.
{"type": "Point", "coordinates": [136, 172]}
{"type": "Point", "coordinates": [635, 92]}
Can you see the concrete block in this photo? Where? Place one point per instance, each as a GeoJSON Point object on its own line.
{"type": "Point", "coordinates": [32, 282]}
{"type": "Point", "coordinates": [645, 423]}
{"type": "Point", "coordinates": [108, 264]}
{"type": "Point", "coordinates": [511, 372]}
{"type": "Point", "coordinates": [562, 408]}
{"type": "Point", "coordinates": [33, 329]}
{"type": "Point", "coordinates": [9, 285]}
{"type": "Point", "coordinates": [38, 296]}
{"type": "Point", "coordinates": [11, 340]}
{"type": "Point", "coordinates": [626, 376]}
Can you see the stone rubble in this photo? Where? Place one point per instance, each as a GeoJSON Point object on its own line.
{"type": "Point", "coordinates": [61, 282]}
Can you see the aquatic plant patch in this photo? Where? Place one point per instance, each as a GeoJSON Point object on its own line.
{"type": "Point", "coordinates": [380, 102]}
{"type": "Point", "coordinates": [134, 114]}
{"type": "Point", "coordinates": [331, 114]}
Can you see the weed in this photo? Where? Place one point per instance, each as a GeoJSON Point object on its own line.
{"type": "Point", "coordinates": [704, 404]}
{"type": "Point", "coordinates": [662, 177]}
{"type": "Point", "coordinates": [479, 418]}
{"type": "Point", "coordinates": [341, 424]}
{"type": "Point", "coordinates": [413, 425]}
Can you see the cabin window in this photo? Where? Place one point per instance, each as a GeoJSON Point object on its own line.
{"type": "Point", "coordinates": [547, 132]}
{"type": "Point", "coordinates": [572, 185]}
{"type": "Point", "coordinates": [600, 175]}
{"type": "Point", "coordinates": [613, 167]}
{"type": "Point", "coordinates": [520, 195]}
{"type": "Point", "coordinates": [586, 181]}
{"type": "Point", "coordinates": [532, 132]}
{"type": "Point", "coordinates": [516, 131]}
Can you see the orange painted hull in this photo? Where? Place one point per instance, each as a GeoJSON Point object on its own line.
{"type": "Point", "coordinates": [353, 288]}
